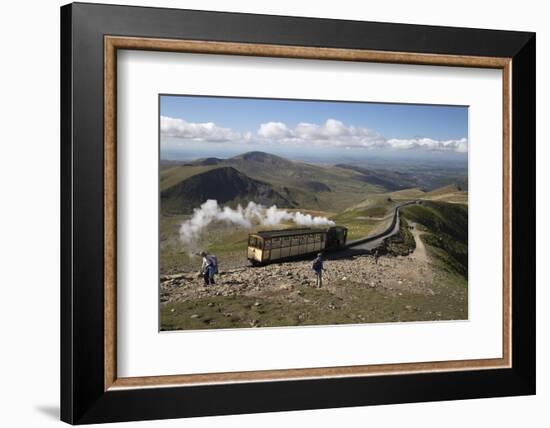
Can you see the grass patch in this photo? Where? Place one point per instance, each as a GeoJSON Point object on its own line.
{"type": "Point", "coordinates": [447, 227]}
{"type": "Point", "coordinates": [172, 175]}
{"type": "Point", "coordinates": [358, 222]}
{"type": "Point", "coordinates": [353, 303]}
{"type": "Point", "coordinates": [400, 244]}
{"type": "Point", "coordinates": [375, 212]}
{"type": "Point", "coordinates": [358, 228]}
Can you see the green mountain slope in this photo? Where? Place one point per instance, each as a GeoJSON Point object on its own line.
{"type": "Point", "coordinates": [446, 225]}
{"type": "Point", "coordinates": [300, 175]}
{"type": "Point", "coordinates": [307, 186]}
{"type": "Point", "coordinates": [225, 184]}
{"type": "Point", "coordinates": [390, 180]}
{"type": "Point", "coordinates": [451, 193]}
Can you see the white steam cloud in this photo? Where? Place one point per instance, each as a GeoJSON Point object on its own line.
{"type": "Point", "coordinates": [252, 214]}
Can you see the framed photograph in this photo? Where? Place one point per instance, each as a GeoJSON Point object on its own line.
{"type": "Point", "coordinates": [266, 213]}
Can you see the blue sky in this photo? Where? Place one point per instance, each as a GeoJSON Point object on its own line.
{"type": "Point", "coordinates": [208, 125]}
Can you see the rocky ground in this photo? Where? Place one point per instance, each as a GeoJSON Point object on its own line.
{"type": "Point", "coordinates": [391, 274]}
{"type": "Point", "coordinates": [356, 289]}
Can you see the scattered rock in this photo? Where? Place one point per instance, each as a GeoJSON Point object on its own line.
{"type": "Point", "coordinates": [171, 277]}
{"type": "Point", "coordinates": [289, 281]}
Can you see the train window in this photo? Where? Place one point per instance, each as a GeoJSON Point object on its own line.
{"type": "Point", "coordinates": [285, 242]}
{"type": "Point", "coordinates": [322, 238]}
{"type": "Point", "coordinates": [296, 241]}
{"type": "Point", "coordinates": [276, 243]}
{"type": "Point", "coordinates": [267, 244]}
{"type": "Point", "coordinates": [255, 242]}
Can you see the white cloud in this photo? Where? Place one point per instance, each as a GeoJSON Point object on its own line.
{"type": "Point", "coordinates": [274, 130]}
{"type": "Point", "coordinates": [334, 133]}
{"type": "Point", "coordinates": [460, 145]}
{"type": "Point", "coordinates": [331, 129]}
{"type": "Point", "coordinates": [331, 133]}
{"type": "Point", "coordinates": [208, 131]}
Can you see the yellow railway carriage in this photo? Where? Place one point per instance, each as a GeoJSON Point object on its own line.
{"type": "Point", "coordinates": [279, 245]}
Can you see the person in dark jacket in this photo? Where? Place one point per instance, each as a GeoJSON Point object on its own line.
{"type": "Point", "coordinates": [317, 267]}
{"type": "Point", "coordinates": [208, 268]}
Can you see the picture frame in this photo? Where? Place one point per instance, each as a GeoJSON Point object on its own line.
{"type": "Point", "coordinates": [91, 391]}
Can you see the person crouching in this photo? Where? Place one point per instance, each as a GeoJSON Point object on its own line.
{"type": "Point", "coordinates": [208, 268]}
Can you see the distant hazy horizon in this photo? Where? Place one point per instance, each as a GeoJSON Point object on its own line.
{"type": "Point", "coordinates": [460, 161]}
{"type": "Point", "coordinates": [194, 127]}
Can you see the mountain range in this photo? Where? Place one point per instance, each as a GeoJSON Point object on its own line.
{"type": "Point", "coordinates": [269, 179]}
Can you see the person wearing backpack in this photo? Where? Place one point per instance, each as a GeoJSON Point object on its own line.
{"type": "Point", "coordinates": [209, 268]}
{"type": "Point", "coordinates": [317, 267]}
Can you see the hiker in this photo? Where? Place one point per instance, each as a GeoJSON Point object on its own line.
{"type": "Point", "coordinates": [317, 267]}
{"type": "Point", "coordinates": [209, 268]}
{"type": "Point", "coordinates": [376, 255]}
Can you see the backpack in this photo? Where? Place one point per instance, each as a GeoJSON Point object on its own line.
{"type": "Point", "coordinates": [317, 264]}
{"type": "Point", "coordinates": [213, 262]}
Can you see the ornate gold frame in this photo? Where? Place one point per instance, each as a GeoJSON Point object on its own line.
{"type": "Point", "coordinates": [113, 43]}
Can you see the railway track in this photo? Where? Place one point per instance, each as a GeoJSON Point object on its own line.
{"type": "Point", "coordinates": [369, 243]}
